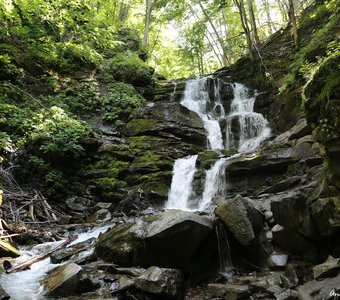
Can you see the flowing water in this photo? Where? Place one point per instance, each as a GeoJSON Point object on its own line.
{"type": "Point", "coordinates": [181, 185]}
{"type": "Point", "coordinates": [25, 285]}
{"type": "Point", "coordinates": [244, 130]}
{"type": "Point", "coordinates": [196, 98]}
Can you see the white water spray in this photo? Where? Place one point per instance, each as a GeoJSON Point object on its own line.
{"type": "Point", "coordinates": [196, 98]}
{"type": "Point", "coordinates": [245, 130]}
{"type": "Point", "coordinates": [251, 128]}
{"type": "Point", "coordinates": [26, 285]}
{"type": "Point", "coordinates": [181, 185]}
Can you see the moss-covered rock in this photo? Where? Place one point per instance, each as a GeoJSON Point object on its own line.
{"type": "Point", "coordinates": [172, 118]}
{"type": "Point", "coordinates": [322, 108]}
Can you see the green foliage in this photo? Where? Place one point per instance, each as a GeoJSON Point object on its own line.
{"type": "Point", "coordinates": [321, 44]}
{"type": "Point", "coordinates": [57, 133]}
{"type": "Point", "coordinates": [82, 98]}
{"type": "Point", "coordinates": [8, 68]}
{"type": "Point", "coordinates": [128, 67]}
{"type": "Point", "coordinates": [120, 97]}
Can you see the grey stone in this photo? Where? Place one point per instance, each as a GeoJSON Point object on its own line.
{"type": "Point", "coordinates": [228, 291]}
{"type": "Point", "coordinates": [293, 242]}
{"type": "Point", "coordinates": [241, 218]}
{"type": "Point", "coordinates": [160, 240]}
{"type": "Point", "coordinates": [278, 260]}
{"type": "Point", "coordinates": [166, 283]}
{"type": "Point", "coordinates": [103, 215]}
{"type": "Point", "coordinates": [78, 204]}
{"type": "Point", "coordinates": [169, 118]}
{"type": "Point", "coordinates": [329, 268]}
{"type": "Point", "coordinates": [66, 280]}
{"type": "Point", "coordinates": [66, 253]}
{"type": "Point", "coordinates": [320, 289]}
{"type": "Point", "coordinates": [300, 129]}
{"type": "Point", "coordinates": [326, 215]}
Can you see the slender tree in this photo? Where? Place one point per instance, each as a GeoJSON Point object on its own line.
{"type": "Point", "coordinates": [148, 10]}
{"type": "Point", "coordinates": [255, 36]}
{"type": "Point", "coordinates": [292, 20]}
{"type": "Point", "coordinates": [244, 22]}
{"type": "Point", "coordinates": [219, 38]}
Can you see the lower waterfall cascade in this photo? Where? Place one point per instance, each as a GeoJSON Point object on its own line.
{"type": "Point", "coordinates": [244, 130]}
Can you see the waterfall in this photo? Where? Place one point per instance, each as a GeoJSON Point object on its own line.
{"type": "Point", "coordinates": [244, 130]}
{"type": "Point", "coordinates": [173, 94]}
{"type": "Point", "coordinates": [223, 247]}
{"type": "Point", "coordinates": [196, 98]}
{"type": "Point", "coordinates": [215, 183]}
{"type": "Point", "coordinates": [181, 185]}
{"type": "Point", "coordinates": [251, 128]}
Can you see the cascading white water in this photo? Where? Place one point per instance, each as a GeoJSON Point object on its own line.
{"type": "Point", "coordinates": [214, 183]}
{"type": "Point", "coordinates": [173, 94]}
{"type": "Point", "coordinates": [181, 185]}
{"type": "Point", "coordinates": [245, 130]}
{"type": "Point", "coordinates": [251, 128]}
{"type": "Point", "coordinates": [196, 98]}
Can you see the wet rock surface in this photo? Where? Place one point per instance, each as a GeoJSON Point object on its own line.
{"type": "Point", "coordinates": [160, 240]}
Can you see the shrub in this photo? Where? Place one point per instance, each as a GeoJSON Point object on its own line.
{"type": "Point", "coordinates": [128, 67]}
{"type": "Point", "coordinates": [120, 97]}
{"type": "Point", "coordinates": [78, 99]}
{"type": "Point", "coordinates": [58, 134]}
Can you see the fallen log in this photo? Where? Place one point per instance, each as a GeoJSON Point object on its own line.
{"type": "Point", "coordinates": [26, 264]}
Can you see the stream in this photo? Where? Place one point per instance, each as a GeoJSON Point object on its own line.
{"type": "Point", "coordinates": [243, 129]}
{"type": "Point", "coordinates": [26, 285]}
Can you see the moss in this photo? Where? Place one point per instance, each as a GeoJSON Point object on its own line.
{"type": "Point", "coordinates": [112, 168]}
{"type": "Point", "coordinates": [139, 126]}
{"type": "Point", "coordinates": [155, 189]}
{"type": "Point", "coordinates": [321, 96]}
{"type": "Point", "coordinates": [315, 47]}
{"type": "Point", "coordinates": [153, 218]}
{"type": "Point", "coordinates": [110, 183]}
{"type": "Point", "coordinates": [158, 175]}
{"type": "Point", "coordinates": [149, 156]}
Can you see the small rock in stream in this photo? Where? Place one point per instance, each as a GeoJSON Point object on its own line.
{"type": "Point", "coordinates": [66, 280]}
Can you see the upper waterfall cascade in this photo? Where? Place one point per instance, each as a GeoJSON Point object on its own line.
{"type": "Point", "coordinates": [243, 129]}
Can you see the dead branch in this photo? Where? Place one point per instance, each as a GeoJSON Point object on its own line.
{"type": "Point", "coordinates": [26, 264]}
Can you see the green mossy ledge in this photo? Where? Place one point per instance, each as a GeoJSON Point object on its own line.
{"type": "Point", "coordinates": [322, 107]}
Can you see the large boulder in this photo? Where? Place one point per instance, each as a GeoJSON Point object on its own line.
{"type": "Point", "coordinates": [172, 239]}
{"type": "Point", "coordinates": [291, 210]}
{"type": "Point", "coordinates": [173, 118]}
{"type": "Point", "coordinates": [242, 219]}
{"type": "Point", "coordinates": [326, 215]}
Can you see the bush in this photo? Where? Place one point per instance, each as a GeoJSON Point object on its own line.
{"type": "Point", "coordinates": [58, 134]}
{"type": "Point", "coordinates": [79, 99]}
{"type": "Point", "coordinates": [120, 97]}
{"type": "Point", "coordinates": [128, 67]}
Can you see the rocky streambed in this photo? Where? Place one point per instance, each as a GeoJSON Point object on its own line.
{"type": "Point", "coordinates": [272, 234]}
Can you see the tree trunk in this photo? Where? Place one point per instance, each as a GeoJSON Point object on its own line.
{"type": "Point", "coordinates": [292, 20]}
{"type": "Point", "coordinates": [220, 41]}
{"type": "Point", "coordinates": [126, 12]}
{"type": "Point", "coordinates": [283, 9]}
{"type": "Point", "coordinates": [253, 22]}
{"type": "Point", "coordinates": [147, 21]}
{"type": "Point", "coordinates": [219, 56]}
{"type": "Point", "coordinates": [243, 17]}
{"type": "Point", "coordinates": [271, 25]}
